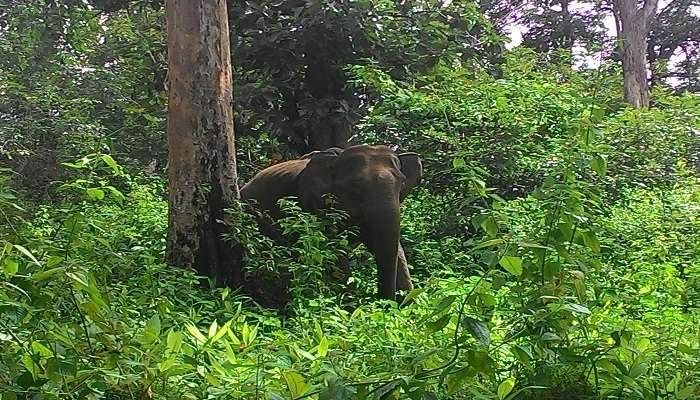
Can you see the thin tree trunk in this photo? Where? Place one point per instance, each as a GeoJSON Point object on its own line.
{"type": "Point", "coordinates": [567, 37]}
{"type": "Point", "coordinates": [633, 27]}
{"type": "Point", "coordinates": [634, 66]}
{"type": "Point", "coordinates": [202, 177]}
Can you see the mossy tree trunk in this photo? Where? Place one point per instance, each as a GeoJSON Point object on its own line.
{"type": "Point", "coordinates": [202, 177]}
{"type": "Point", "coordinates": [633, 26]}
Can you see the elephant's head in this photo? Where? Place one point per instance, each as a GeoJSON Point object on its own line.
{"type": "Point", "coordinates": [369, 182]}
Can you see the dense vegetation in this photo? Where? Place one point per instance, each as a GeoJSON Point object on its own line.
{"type": "Point", "coordinates": [555, 240]}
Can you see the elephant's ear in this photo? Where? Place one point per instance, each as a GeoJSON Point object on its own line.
{"type": "Point", "coordinates": [412, 168]}
{"type": "Point", "coordinates": [309, 155]}
{"type": "Point", "coordinates": [316, 179]}
{"type": "Point", "coordinates": [332, 150]}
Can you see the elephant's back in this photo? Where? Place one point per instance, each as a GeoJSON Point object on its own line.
{"type": "Point", "coordinates": [273, 183]}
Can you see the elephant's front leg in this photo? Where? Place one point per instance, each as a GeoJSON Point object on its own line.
{"type": "Point", "coordinates": [403, 277]}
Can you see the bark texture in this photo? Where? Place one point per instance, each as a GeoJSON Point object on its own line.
{"type": "Point", "coordinates": [202, 178]}
{"type": "Point", "coordinates": [633, 26]}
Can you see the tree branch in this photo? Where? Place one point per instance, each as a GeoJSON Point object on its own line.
{"type": "Point", "coordinates": [649, 10]}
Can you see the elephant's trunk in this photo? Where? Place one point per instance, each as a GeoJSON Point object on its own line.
{"type": "Point", "coordinates": [383, 240]}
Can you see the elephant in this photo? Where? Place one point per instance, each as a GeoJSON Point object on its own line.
{"type": "Point", "coordinates": [368, 181]}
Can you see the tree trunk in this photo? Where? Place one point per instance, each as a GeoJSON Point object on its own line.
{"type": "Point", "coordinates": [202, 177]}
{"type": "Point", "coordinates": [633, 27]}
{"type": "Point", "coordinates": [567, 35]}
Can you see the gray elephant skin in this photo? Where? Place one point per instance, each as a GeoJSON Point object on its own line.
{"type": "Point", "coordinates": [368, 182]}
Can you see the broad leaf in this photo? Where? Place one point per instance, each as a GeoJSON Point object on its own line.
{"type": "Point", "coordinates": [505, 388]}
{"type": "Point", "coordinates": [110, 161]}
{"type": "Point", "coordinates": [27, 253]}
{"type": "Point", "coordinates": [590, 240]}
{"type": "Point", "coordinates": [10, 267]}
{"type": "Point", "coordinates": [490, 226]}
{"type": "Point", "coordinates": [440, 323]}
{"type": "Point", "coordinates": [295, 383]}
{"type": "Point", "coordinates": [322, 348]}
{"type": "Point", "coordinates": [512, 264]}
{"type": "Point", "coordinates": [336, 390]}
{"type": "Point", "coordinates": [599, 165]}
{"type": "Point", "coordinates": [95, 193]}
{"type": "Point", "coordinates": [478, 329]}
{"type": "Point", "coordinates": [152, 330]}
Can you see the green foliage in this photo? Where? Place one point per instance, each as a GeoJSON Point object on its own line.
{"type": "Point", "coordinates": [516, 129]}
{"type": "Point", "coordinates": [554, 294]}
{"type": "Point", "coordinates": [93, 73]}
{"type": "Point", "coordinates": [306, 261]}
{"type": "Point", "coordinates": [290, 78]}
{"type": "Point", "coordinates": [77, 82]}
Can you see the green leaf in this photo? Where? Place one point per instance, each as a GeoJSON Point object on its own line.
{"type": "Point", "coordinates": [27, 253]}
{"type": "Point", "coordinates": [174, 341]}
{"type": "Point", "coordinates": [684, 348]}
{"type": "Point", "coordinates": [79, 278]}
{"type": "Point", "coordinates": [336, 390]}
{"type": "Point", "coordinates": [230, 354]}
{"type": "Point", "coordinates": [110, 161]}
{"type": "Point", "coordinates": [194, 332]}
{"type": "Point", "coordinates": [441, 306]}
{"type": "Point", "coordinates": [478, 329]}
{"type": "Point", "coordinates": [322, 348]}
{"type": "Point", "coordinates": [60, 367]}
{"type": "Point", "coordinates": [295, 383]}
{"type": "Point", "coordinates": [455, 380]}
{"type": "Point", "coordinates": [637, 370]}
{"type": "Point", "coordinates": [30, 365]}
{"type": "Point", "coordinates": [590, 240]}
{"type": "Point", "coordinates": [488, 243]}
{"type": "Point", "coordinates": [95, 193]}
{"type": "Point", "coordinates": [686, 392]}
{"type": "Point", "coordinates": [385, 390]}
{"type": "Point", "coordinates": [440, 323]}
{"type": "Point", "coordinates": [221, 332]}
{"type": "Point", "coordinates": [412, 295]}
{"type": "Point", "coordinates": [580, 289]}
{"type": "Point", "coordinates": [589, 135]}
{"type": "Point", "coordinates": [42, 350]}
{"type": "Point", "coordinates": [10, 267]}
{"type": "Point", "coordinates": [599, 165]}
{"type": "Point", "coordinates": [505, 388]}
{"type": "Point", "coordinates": [167, 364]}
{"type": "Point", "coordinates": [577, 309]}
{"type": "Point", "coordinates": [597, 114]}
{"type": "Point", "coordinates": [53, 261]}
{"type": "Point", "coordinates": [512, 264]}
{"type": "Point", "coordinates": [213, 380]}
{"type": "Point", "coordinates": [275, 396]}
{"type": "Point", "coordinates": [489, 226]}
{"type": "Point", "coordinates": [501, 103]}
{"type": "Point", "coordinates": [303, 353]}
{"type": "Point", "coordinates": [458, 163]}
{"type": "Point", "coordinates": [213, 328]}
{"type": "Point", "coordinates": [481, 361]}
{"type": "Point", "coordinates": [245, 333]}
{"type": "Point", "coordinates": [78, 165]}
{"type": "Point", "coordinates": [115, 192]}
{"type": "Point", "coordinates": [15, 312]}
{"type": "Point", "coordinates": [522, 355]}
{"type": "Point", "coordinates": [643, 344]}
{"type": "Point", "coordinates": [43, 275]}
{"type": "Point", "coordinates": [152, 330]}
